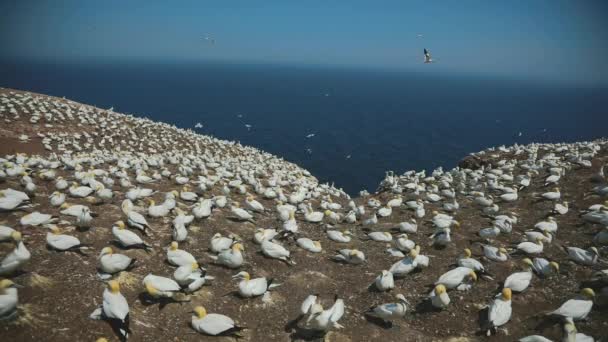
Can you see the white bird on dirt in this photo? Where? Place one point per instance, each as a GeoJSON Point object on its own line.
{"type": "Point", "coordinates": [57, 198]}
{"type": "Point", "coordinates": [220, 243]}
{"type": "Point", "coordinates": [577, 308]}
{"type": "Point", "coordinates": [262, 234]}
{"type": "Point", "coordinates": [9, 298]}
{"type": "Point", "coordinates": [291, 225]}
{"type": "Point", "coordinates": [37, 219]}
{"type": "Point", "coordinates": [202, 209]}
{"type": "Point", "coordinates": [111, 263]}
{"type": "Point", "coordinates": [157, 210]}
{"type": "Point", "coordinates": [531, 247]}
{"type": "Point", "coordinates": [17, 257]}
{"type": "Point", "coordinates": [489, 233]}
{"type": "Point", "coordinates": [519, 281]}
{"type": "Point", "coordinates": [309, 245]}
{"type": "Point", "coordinates": [62, 242]}
{"type": "Point", "coordinates": [307, 304]}
{"type": "Point", "coordinates": [253, 287]}
{"type": "Point", "coordinates": [371, 220]}
{"type": "Point", "coordinates": [160, 287]}
{"type": "Point", "coordinates": [313, 216]}
{"type": "Point", "coordinates": [115, 307]}
{"type": "Point", "coordinates": [380, 236]}
{"type": "Point", "coordinates": [532, 235]}
{"type": "Point", "coordinates": [544, 268]}
{"type": "Point", "coordinates": [584, 257]}
{"type": "Point", "coordinates": [384, 281]}
{"type": "Point", "coordinates": [127, 238]}
{"type": "Point", "coordinates": [324, 320]}
{"type": "Point", "coordinates": [499, 311]}
{"type": "Point", "coordinates": [408, 227]}
{"type": "Point", "coordinates": [80, 191]}
{"type": "Point", "coordinates": [439, 297]}
{"type": "Point", "coordinates": [231, 258]}
{"type": "Point", "coordinates": [390, 311]}
{"type": "Point", "coordinates": [404, 244]}
{"type": "Point", "coordinates": [467, 261]}
{"type": "Point", "coordinates": [134, 219]}
{"type": "Point", "coordinates": [385, 211]}
{"type": "Point", "coordinates": [191, 277]}
{"type": "Point", "coordinates": [240, 214]}
{"type": "Point", "coordinates": [549, 225]}
{"type": "Point", "coordinates": [275, 251]}
{"type": "Point", "coordinates": [5, 233]}
{"type": "Point", "coordinates": [338, 236]}
{"type": "Point", "coordinates": [179, 257]}
{"type": "Point", "coordinates": [406, 265]}
{"type": "Point", "coordinates": [84, 219]}
{"type": "Point", "coordinates": [253, 205]}
{"type": "Point", "coordinates": [551, 195]}
{"type": "Point", "coordinates": [457, 277]}
{"type": "Point", "coordinates": [213, 324]}
{"type": "Point", "coordinates": [560, 208]}
{"type": "Point", "coordinates": [350, 256]}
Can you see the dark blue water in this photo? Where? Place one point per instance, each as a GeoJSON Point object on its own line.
{"type": "Point", "coordinates": [383, 120]}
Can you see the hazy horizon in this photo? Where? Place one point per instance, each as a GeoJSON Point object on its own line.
{"type": "Point", "coordinates": [560, 40]}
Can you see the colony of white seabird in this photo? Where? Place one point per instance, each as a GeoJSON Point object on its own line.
{"type": "Point", "coordinates": [255, 247]}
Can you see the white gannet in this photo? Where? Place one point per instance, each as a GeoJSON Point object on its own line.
{"type": "Point", "coordinates": [191, 277]}
{"type": "Point", "coordinates": [499, 312]}
{"type": "Point", "coordinates": [389, 311]}
{"type": "Point", "coordinates": [239, 213]}
{"type": "Point", "coordinates": [5, 233]}
{"type": "Point", "coordinates": [350, 256]}
{"type": "Point", "coordinates": [37, 219]}
{"type": "Point", "coordinates": [276, 251]}
{"type": "Point", "coordinates": [178, 257]}
{"type": "Point", "coordinates": [519, 281]}
{"type": "Point", "coordinates": [213, 324]}
{"type": "Point", "coordinates": [531, 247]}
{"type": "Point", "coordinates": [547, 226]}
{"type": "Point", "coordinates": [324, 320]}
{"type": "Point", "coordinates": [16, 258]}
{"type": "Point", "coordinates": [62, 242]}
{"type": "Point", "coordinates": [253, 287]}
{"type": "Point", "coordinates": [157, 210]}
{"type": "Point", "coordinates": [406, 265]}
{"type": "Point", "coordinates": [115, 307]}
{"type": "Point", "coordinates": [439, 297]}
{"type": "Point", "coordinates": [111, 263]}
{"type": "Point", "coordinates": [160, 287]}
{"type": "Point", "coordinates": [127, 238]}
{"type": "Point", "coordinates": [202, 209]}
{"type": "Point", "coordinates": [544, 268]}
{"type": "Point", "coordinates": [380, 236]}
{"type": "Point", "coordinates": [384, 281]}
{"type": "Point", "coordinates": [262, 234]}
{"type": "Point", "coordinates": [456, 277]}
{"type": "Point", "coordinates": [8, 298]}
{"type": "Point", "coordinates": [408, 227]}
{"type": "Point", "coordinates": [494, 253]}
{"type": "Point", "coordinates": [57, 198]}
{"type": "Point", "coordinates": [309, 245]}
{"type": "Point", "coordinates": [220, 243]}
{"type": "Point", "coordinates": [584, 257]}
{"type": "Point", "coordinates": [231, 258]}
{"type": "Point", "coordinates": [338, 236]}
{"type": "Point", "coordinates": [404, 244]}
{"type": "Point", "coordinates": [467, 261]}
{"type": "Point", "coordinates": [577, 308]}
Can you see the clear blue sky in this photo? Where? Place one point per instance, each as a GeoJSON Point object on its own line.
{"type": "Point", "coordinates": [565, 40]}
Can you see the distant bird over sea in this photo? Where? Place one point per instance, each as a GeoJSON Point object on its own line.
{"type": "Point", "coordinates": [427, 56]}
{"type": "Point", "coordinates": [209, 39]}
{"type": "Point", "coordinates": [198, 125]}
{"type": "Point", "coordinates": [310, 135]}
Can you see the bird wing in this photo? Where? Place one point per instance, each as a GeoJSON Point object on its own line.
{"type": "Point", "coordinates": [216, 324]}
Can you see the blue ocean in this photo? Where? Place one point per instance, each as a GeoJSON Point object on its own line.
{"type": "Point", "coordinates": [364, 121]}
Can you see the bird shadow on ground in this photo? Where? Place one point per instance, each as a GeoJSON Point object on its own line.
{"type": "Point", "coordinates": [426, 307]}
{"type": "Point", "coordinates": [379, 322]}
{"type": "Point", "coordinates": [300, 333]}
{"type": "Point", "coordinates": [147, 300]}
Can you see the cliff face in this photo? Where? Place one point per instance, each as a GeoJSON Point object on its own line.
{"type": "Point", "coordinates": [99, 149]}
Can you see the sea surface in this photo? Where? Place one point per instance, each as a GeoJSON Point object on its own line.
{"type": "Point", "coordinates": [364, 122]}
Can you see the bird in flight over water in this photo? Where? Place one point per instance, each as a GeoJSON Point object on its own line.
{"type": "Point", "coordinates": [209, 39]}
{"type": "Point", "coordinates": [427, 56]}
